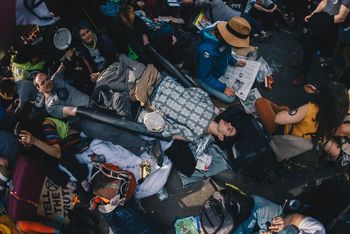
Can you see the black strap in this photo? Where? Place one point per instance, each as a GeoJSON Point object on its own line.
{"type": "Point", "coordinates": [235, 33]}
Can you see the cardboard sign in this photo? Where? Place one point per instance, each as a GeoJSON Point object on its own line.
{"type": "Point", "coordinates": [55, 202]}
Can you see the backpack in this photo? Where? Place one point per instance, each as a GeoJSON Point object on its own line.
{"type": "Point", "coordinates": [107, 177]}
{"type": "Point", "coordinates": [251, 153]}
{"type": "Point", "coordinates": [224, 210]}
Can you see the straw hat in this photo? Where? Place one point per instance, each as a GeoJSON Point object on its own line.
{"type": "Point", "coordinates": [235, 32]}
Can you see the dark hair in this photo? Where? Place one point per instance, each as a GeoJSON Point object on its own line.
{"type": "Point", "coordinates": [24, 55]}
{"type": "Point", "coordinates": [231, 115]}
{"type": "Point", "coordinates": [33, 124]}
{"type": "Point", "coordinates": [7, 88]}
{"type": "Point", "coordinates": [125, 10]}
{"type": "Point", "coordinates": [333, 103]}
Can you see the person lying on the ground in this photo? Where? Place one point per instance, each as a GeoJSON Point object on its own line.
{"type": "Point", "coordinates": [96, 50]}
{"type": "Point", "coordinates": [318, 119]}
{"type": "Point", "coordinates": [189, 112]}
{"type": "Point", "coordinates": [55, 141]}
{"type": "Point", "coordinates": [215, 54]}
{"type": "Point", "coordinates": [267, 217]}
{"type": "Point", "coordinates": [62, 100]}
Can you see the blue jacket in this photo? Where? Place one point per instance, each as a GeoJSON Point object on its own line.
{"type": "Point", "coordinates": [213, 58]}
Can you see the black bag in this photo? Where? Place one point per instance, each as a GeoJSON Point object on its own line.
{"type": "Point", "coordinates": [224, 210]}
{"type": "Point", "coordinates": [251, 153]}
{"type": "Point", "coordinates": [105, 100]}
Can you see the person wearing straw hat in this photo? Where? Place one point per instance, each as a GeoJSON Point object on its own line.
{"type": "Point", "coordinates": [215, 54]}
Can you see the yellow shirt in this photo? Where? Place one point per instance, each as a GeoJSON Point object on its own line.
{"type": "Point", "coordinates": [305, 126]}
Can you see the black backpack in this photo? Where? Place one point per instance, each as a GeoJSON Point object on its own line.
{"type": "Point", "coordinates": [253, 155]}
{"type": "Point", "coordinates": [225, 210]}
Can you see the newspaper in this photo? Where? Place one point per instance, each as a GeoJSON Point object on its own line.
{"type": "Point", "coordinates": [249, 102]}
{"type": "Point", "coordinates": [241, 79]}
{"type": "Point", "coordinates": [201, 21]}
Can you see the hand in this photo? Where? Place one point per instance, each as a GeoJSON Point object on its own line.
{"type": "Point", "coordinates": [69, 54]}
{"type": "Point", "coordinates": [26, 138]}
{"type": "Point", "coordinates": [272, 10]}
{"type": "Point", "coordinates": [277, 224]}
{"type": "Point", "coordinates": [307, 18]}
{"type": "Point", "coordinates": [229, 91]}
{"type": "Point", "coordinates": [173, 40]}
{"type": "Point", "coordinates": [4, 162]}
{"type": "Point", "coordinates": [310, 89]}
{"type": "Point", "coordinates": [241, 63]}
{"type": "Point", "coordinates": [94, 76]}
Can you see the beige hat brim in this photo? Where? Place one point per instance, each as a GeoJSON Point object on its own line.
{"type": "Point", "coordinates": [244, 51]}
{"type": "Point", "coordinates": [230, 38]}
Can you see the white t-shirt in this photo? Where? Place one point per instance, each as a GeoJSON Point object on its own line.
{"type": "Point", "coordinates": [309, 225]}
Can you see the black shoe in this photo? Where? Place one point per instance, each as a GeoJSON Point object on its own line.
{"type": "Point", "coordinates": [157, 152]}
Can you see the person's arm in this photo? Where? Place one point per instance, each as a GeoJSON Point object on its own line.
{"type": "Point", "coordinates": [27, 139]}
{"type": "Point", "coordinates": [292, 116]}
{"type": "Point", "coordinates": [343, 130]}
{"type": "Point", "coordinates": [319, 8]}
{"type": "Point", "coordinates": [341, 16]}
{"type": "Point", "coordinates": [69, 111]}
{"type": "Point", "coordinates": [279, 223]}
{"type": "Point", "coordinates": [232, 60]}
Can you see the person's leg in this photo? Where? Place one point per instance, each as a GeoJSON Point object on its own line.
{"type": "Point", "coordinates": [267, 111]}
{"type": "Point", "coordinates": [69, 161]}
{"type": "Point", "coordinates": [309, 48]}
{"type": "Point", "coordinates": [105, 132]}
{"type": "Point", "coordinates": [219, 95]}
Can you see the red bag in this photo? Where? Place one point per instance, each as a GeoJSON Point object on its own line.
{"type": "Point", "coordinates": [28, 181]}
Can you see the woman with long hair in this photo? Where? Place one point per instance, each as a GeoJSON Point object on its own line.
{"type": "Point", "coordinates": [317, 120]}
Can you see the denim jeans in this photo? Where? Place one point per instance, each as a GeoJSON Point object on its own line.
{"type": "Point", "coordinates": [263, 211]}
{"type": "Point", "coordinates": [128, 219]}
{"type": "Point", "coordinates": [219, 95]}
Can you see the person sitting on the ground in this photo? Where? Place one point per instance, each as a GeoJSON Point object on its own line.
{"type": "Point", "coordinates": [322, 34]}
{"type": "Point", "coordinates": [319, 118]}
{"type": "Point", "coordinates": [215, 54]}
{"type": "Point", "coordinates": [218, 10]}
{"type": "Point", "coordinates": [162, 35]}
{"type": "Point", "coordinates": [267, 217]}
{"type": "Point", "coordinates": [96, 50]}
{"type": "Point", "coordinates": [128, 44]}
{"type": "Point", "coordinates": [62, 100]}
{"type": "Point", "coordinates": [51, 136]}
{"type": "Point", "coordinates": [262, 11]}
